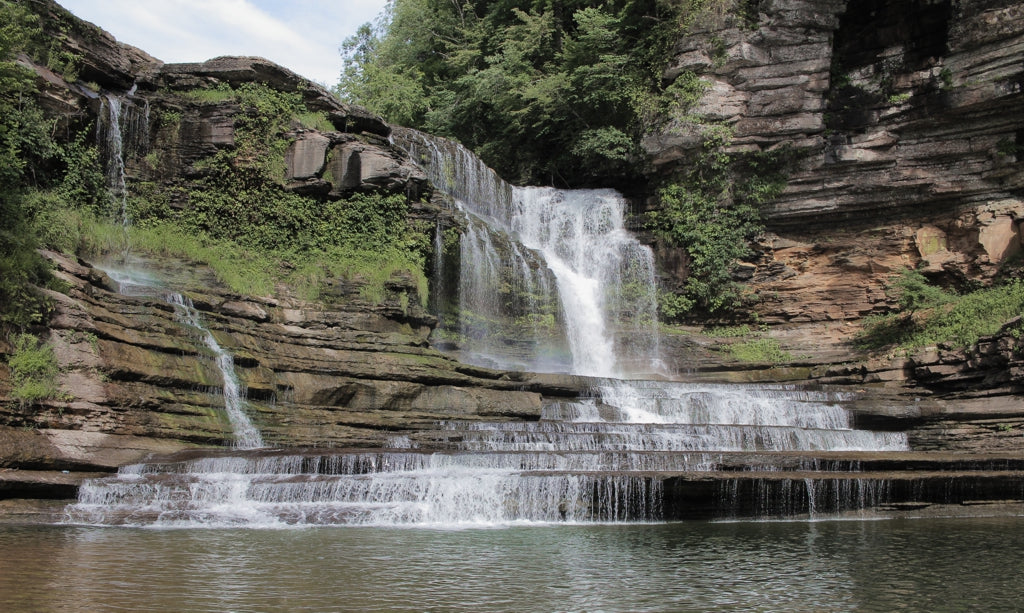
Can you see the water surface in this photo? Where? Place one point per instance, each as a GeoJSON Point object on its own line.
{"type": "Point", "coordinates": [894, 565]}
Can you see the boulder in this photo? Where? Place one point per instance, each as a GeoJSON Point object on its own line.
{"type": "Point", "coordinates": [306, 156]}
{"type": "Point", "coordinates": [363, 165]}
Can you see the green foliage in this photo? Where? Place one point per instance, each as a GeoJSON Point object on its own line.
{"type": "Point", "coordinates": [237, 205]}
{"type": "Point", "coordinates": [765, 350]}
{"type": "Point", "coordinates": [673, 306]}
{"type": "Point", "coordinates": [21, 270]}
{"type": "Point", "coordinates": [210, 95]}
{"type": "Point", "coordinates": [237, 218]}
{"type": "Point", "coordinates": [946, 77]}
{"type": "Point", "coordinates": [683, 94]}
{"type": "Point", "coordinates": [1009, 147]}
{"type": "Point", "coordinates": [33, 370]}
{"type": "Point", "coordinates": [739, 331]}
{"type": "Point", "coordinates": [315, 120]}
{"type": "Point", "coordinates": [288, 238]}
{"type": "Point", "coordinates": [930, 316]}
{"type": "Point", "coordinates": [912, 291]}
{"type": "Point", "coordinates": [25, 147]}
{"type": "Point", "coordinates": [712, 211]}
{"type": "Point", "coordinates": [83, 182]}
{"type": "Point", "coordinates": [544, 91]}
{"type": "Point", "coordinates": [714, 234]}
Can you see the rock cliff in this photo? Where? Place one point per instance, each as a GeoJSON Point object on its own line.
{"type": "Point", "coordinates": [902, 122]}
{"type": "Point", "coordinates": [136, 379]}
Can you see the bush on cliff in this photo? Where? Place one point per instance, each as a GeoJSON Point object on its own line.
{"type": "Point", "coordinates": [33, 370]}
{"type": "Point", "coordinates": [929, 315]}
{"type": "Point", "coordinates": [713, 213]}
{"type": "Point", "coordinates": [238, 219]}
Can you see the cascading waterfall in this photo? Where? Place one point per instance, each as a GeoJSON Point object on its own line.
{"type": "Point", "coordinates": [122, 131]}
{"type": "Point", "coordinates": [584, 461]}
{"type": "Point", "coordinates": [605, 457]}
{"type": "Point", "coordinates": [245, 433]}
{"type": "Point", "coordinates": [604, 277]}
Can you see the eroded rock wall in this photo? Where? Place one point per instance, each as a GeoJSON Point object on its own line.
{"type": "Point", "coordinates": [902, 123]}
{"type": "Point", "coordinates": [913, 157]}
{"type": "Point", "coordinates": [136, 379]}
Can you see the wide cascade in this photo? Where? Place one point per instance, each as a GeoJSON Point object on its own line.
{"type": "Point", "coordinates": [606, 456]}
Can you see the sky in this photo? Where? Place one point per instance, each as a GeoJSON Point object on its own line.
{"type": "Point", "coordinates": [302, 35]}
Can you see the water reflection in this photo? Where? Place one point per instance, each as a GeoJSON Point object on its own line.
{"type": "Point", "coordinates": [921, 565]}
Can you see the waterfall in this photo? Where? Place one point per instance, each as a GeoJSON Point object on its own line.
{"type": "Point", "coordinates": [605, 276]}
{"type": "Point", "coordinates": [122, 130]}
{"type": "Point", "coordinates": [604, 283]}
{"type": "Point", "coordinates": [590, 460]}
{"type": "Point", "coordinates": [245, 434]}
{"type": "Point", "coordinates": [549, 280]}
{"type": "Point", "coordinates": [112, 141]}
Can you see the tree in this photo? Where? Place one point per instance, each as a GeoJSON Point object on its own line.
{"type": "Point", "coordinates": [24, 139]}
{"type": "Point", "coordinates": [545, 91]}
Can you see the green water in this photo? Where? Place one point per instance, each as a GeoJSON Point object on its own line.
{"type": "Point", "coordinates": [892, 565]}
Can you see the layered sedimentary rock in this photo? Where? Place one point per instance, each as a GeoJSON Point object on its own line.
{"type": "Point", "coordinates": [902, 124]}
{"type": "Point", "coordinates": [137, 378]}
{"type": "Point", "coordinates": [907, 134]}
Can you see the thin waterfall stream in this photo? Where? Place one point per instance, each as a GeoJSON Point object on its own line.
{"type": "Point", "coordinates": [603, 457]}
{"type": "Point", "coordinates": [126, 131]}
{"type": "Point", "coordinates": [244, 433]}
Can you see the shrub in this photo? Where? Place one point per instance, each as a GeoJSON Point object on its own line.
{"type": "Point", "coordinates": [33, 370]}
{"type": "Point", "coordinates": [760, 350]}
{"type": "Point", "coordinates": [715, 235]}
{"type": "Point", "coordinates": [913, 292]}
{"type": "Point", "coordinates": [930, 316]}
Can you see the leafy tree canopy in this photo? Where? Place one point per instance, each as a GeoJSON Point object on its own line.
{"type": "Point", "coordinates": [545, 91]}
{"type": "Point", "coordinates": [24, 143]}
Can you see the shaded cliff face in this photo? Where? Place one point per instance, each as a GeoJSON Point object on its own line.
{"type": "Point", "coordinates": [902, 124]}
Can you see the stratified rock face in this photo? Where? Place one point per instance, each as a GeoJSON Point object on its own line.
{"type": "Point", "coordinates": [355, 156]}
{"type": "Point", "coordinates": [238, 70]}
{"type": "Point", "coordinates": [902, 119]}
{"type": "Point", "coordinates": [99, 57]}
{"type": "Point", "coordinates": [143, 381]}
{"type": "Point", "coordinates": [341, 371]}
{"type": "Point", "coordinates": [899, 106]}
{"type": "Point", "coordinates": [768, 81]}
{"type": "Point", "coordinates": [943, 161]}
{"type": "Point", "coordinates": [306, 156]}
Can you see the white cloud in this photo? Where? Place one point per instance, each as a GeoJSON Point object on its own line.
{"type": "Point", "coordinates": [302, 35]}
